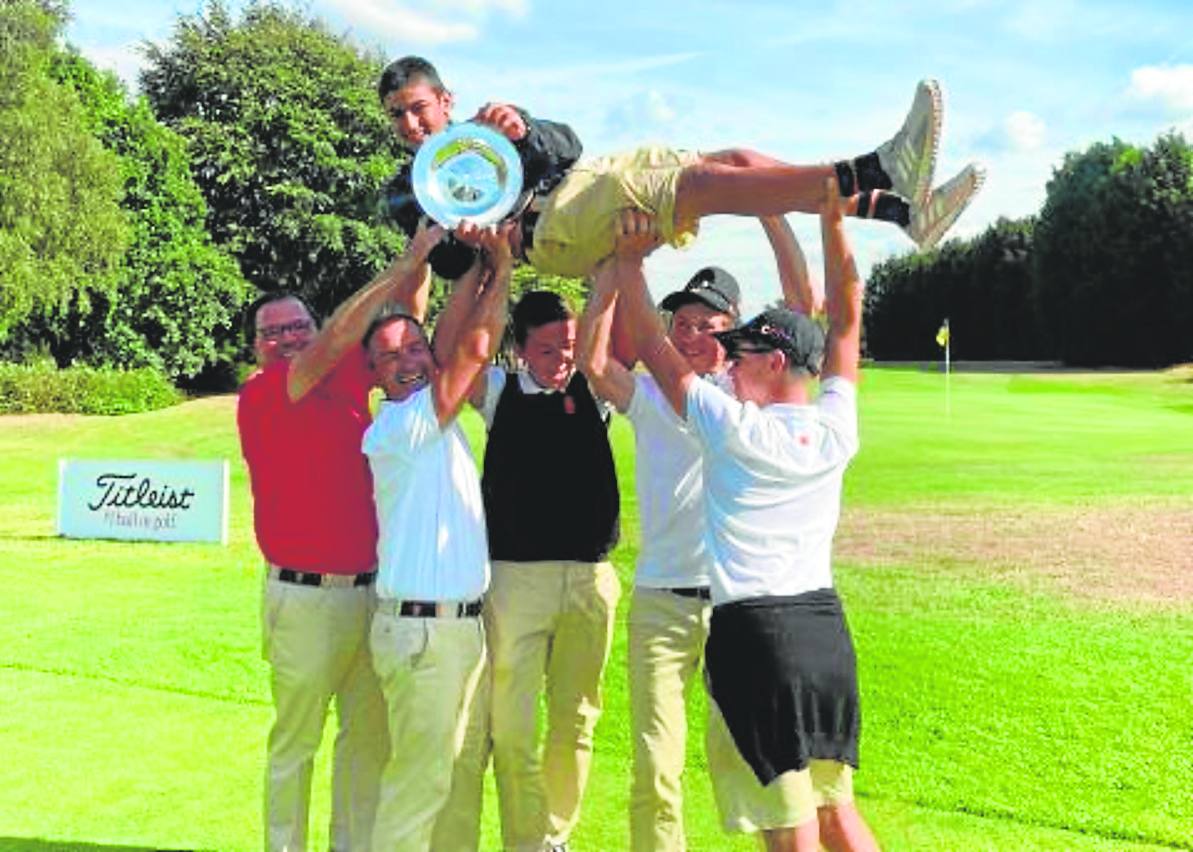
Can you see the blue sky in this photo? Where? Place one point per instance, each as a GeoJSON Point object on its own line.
{"type": "Point", "coordinates": [1024, 82]}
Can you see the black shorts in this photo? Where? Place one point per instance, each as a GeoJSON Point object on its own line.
{"type": "Point", "coordinates": [783, 673]}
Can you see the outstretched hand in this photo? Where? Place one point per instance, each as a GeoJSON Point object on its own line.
{"type": "Point", "coordinates": [636, 234]}
{"type": "Point", "coordinates": [503, 118]}
{"type": "Point", "coordinates": [425, 238]}
{"type": "Point", "coordinates": [493, 240]}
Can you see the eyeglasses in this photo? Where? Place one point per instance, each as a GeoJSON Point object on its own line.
{"type": "Point", "coordinates": [276, 332]}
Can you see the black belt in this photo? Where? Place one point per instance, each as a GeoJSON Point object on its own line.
{"type": "Point", "coordinates": [312, 578]}
{"type": "Point", "coordinates": [431, 609]}
{"type": "Point", "coordinates": [701, 592]}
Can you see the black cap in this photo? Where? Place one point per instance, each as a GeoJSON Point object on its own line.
{"type": "Point", "coordinates": [711, 286]}
{"type": "Point", "coordinates": [797, 336]}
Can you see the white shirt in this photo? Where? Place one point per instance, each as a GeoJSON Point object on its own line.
{"type": "Point", "coordinates": [431, 519]}
{"type": "Point", "coordinates": [772, 484]}
{"type": "Point", "coordinates": [670, 490]}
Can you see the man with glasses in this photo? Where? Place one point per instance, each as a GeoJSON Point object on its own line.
{"type": "Point", "coordinates": [780, 660]}
{"type": "Point", "coordinates": [301, 418]}
{"type": "Point", "coordinates": [669, 612]}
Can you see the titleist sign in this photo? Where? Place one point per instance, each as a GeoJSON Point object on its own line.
{"type": "Point", "coordinates": [143, 500]}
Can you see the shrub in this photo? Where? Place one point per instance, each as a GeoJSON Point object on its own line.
{"type": "Point", "coordinates": [41, 387]}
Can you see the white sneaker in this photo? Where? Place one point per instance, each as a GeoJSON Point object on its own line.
{"type": "Point", "coordinates": [930, 221]}
{"type": "Point", "coordinates": [909, 157]}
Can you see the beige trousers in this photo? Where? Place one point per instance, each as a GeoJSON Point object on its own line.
{"type": "Point", "coordinates": [552, 621]}
{"type": "Point", "coordinates": [316, 643]}
{"type": "Point", "coordinates": [666, 644]}
{"type": "Point", "coordinates": [429, 670]}
{"type": "Point", "coordinates": [788, 801]}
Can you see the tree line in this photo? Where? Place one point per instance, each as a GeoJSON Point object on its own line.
{"type": "Point", "coordinates": [134, 230]}
{"type": "Point", "coordinates": [1102, 276]}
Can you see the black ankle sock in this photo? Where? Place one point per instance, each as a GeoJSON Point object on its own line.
{"type": "Point", "coordinates": [870, 174]}
{"type": "Point", "coordinates": [846, 185]}
{"type": "Point", "coordinates": [884, 206]}
{"type": "Point", "coordinates": [892, 208]}
{"type": "Point", "coordinates": [861, 174]}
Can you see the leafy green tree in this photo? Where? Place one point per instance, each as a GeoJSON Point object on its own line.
{"type": "Point", "coordinates": [992, 310]}
{"type": "Point", "coordinates": [178, 297]}
{"type": "Point", "coordinates": [287, 141]}
{"type": "Point", "coordinates": [1114, 255]}
{"type": "Point", "coordinates": [60, 219]}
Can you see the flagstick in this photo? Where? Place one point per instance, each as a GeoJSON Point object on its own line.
{"type": "Point", "coordinates": [948, 397]}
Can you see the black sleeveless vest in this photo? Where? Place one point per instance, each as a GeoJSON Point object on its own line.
{"type": "Point", "coordinates": [549, 484]}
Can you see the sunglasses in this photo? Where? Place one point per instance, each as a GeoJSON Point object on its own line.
{"type": "Point", "coordinates": [737, 351]}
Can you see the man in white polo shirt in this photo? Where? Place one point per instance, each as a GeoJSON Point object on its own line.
{"type": "Point", "coordinates": [669, 611]}
{"type": "Point", "coordinates": [427, 640]}
{"type": "Point", "coordinates": [779, 657]}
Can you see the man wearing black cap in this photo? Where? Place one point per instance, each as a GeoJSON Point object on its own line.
{"type": "Point", "coordinates": [779, 658]}
{"type": "Point", "coordinates": [668, 620]}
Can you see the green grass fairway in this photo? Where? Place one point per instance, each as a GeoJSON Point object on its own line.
{"type": "Point", "coordinates": [1017, 571]}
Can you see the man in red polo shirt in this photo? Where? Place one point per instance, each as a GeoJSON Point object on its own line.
{"type": "Point", "coordinates": [302, 417]}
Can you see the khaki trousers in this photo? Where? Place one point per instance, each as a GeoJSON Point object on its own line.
{"type": "Point", "coordinates": [429, 670]}
{"type": "Point", "coordinates": [666, 644]}
{"type": "Point", "coordinates": [551, 620]}
{"type": "Point", "coordinates": [316, 643]}
{"type": "Point", "coordinates": [788, 801]}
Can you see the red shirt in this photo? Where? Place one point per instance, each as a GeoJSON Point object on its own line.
{"type": "Point", "coordinates": [312, 490]}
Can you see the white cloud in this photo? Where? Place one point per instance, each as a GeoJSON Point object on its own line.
{"type": "Point", "coordinates": [1024, 130]}
{"type": "Point", "coordinates": [398, 22]}
{"type": "Point", "coordinates": [641, 114]}
{"type": "Point", "coordinates": [1018, 131]}
{"type": "Point", "coordinates": [1171, 85]}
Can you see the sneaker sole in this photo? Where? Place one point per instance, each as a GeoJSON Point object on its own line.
{"type": "Point", "coordinates": [930, 90]}
{"type": "Point", "coordinates": [975, 174]}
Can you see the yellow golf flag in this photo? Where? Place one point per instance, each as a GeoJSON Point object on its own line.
{"type": "Point", "coordinates": [942, 336]}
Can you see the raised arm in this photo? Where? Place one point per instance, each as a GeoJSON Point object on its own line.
{"type": "Point", "coordinates": [670, 369]}
{"type": "Point", "coordinates": [605, 337]}
{"type": "Point", "coordinates": [609, 378]}
{"type": "Point", "coordinates": [843, 292]}
{"type": "Point", "coordinates": [455, 313]}
{"type": "Point", "coordinates": [799, 292]}
{"type": "Point", "coordinates": [421, 295]}
{"type": "Point", "coordinates": [480, 333]}
{"type": "Point", "coordinates": [400, 282]}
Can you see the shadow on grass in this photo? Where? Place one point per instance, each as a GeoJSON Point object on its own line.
{"type": "Point", "coordinates": [37, 844]}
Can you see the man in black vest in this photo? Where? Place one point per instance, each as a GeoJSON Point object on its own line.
{"type": "Point", "coordinates": [552, 504]}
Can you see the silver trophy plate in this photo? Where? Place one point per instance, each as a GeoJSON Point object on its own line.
{"type": "Point", "coordinates": [468, 171]}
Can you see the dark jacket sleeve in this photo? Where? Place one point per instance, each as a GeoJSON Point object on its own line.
{"type": "Point", "coordinates": [451, 258]}
{"type": "Point", "coordinates": [547, 151]}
